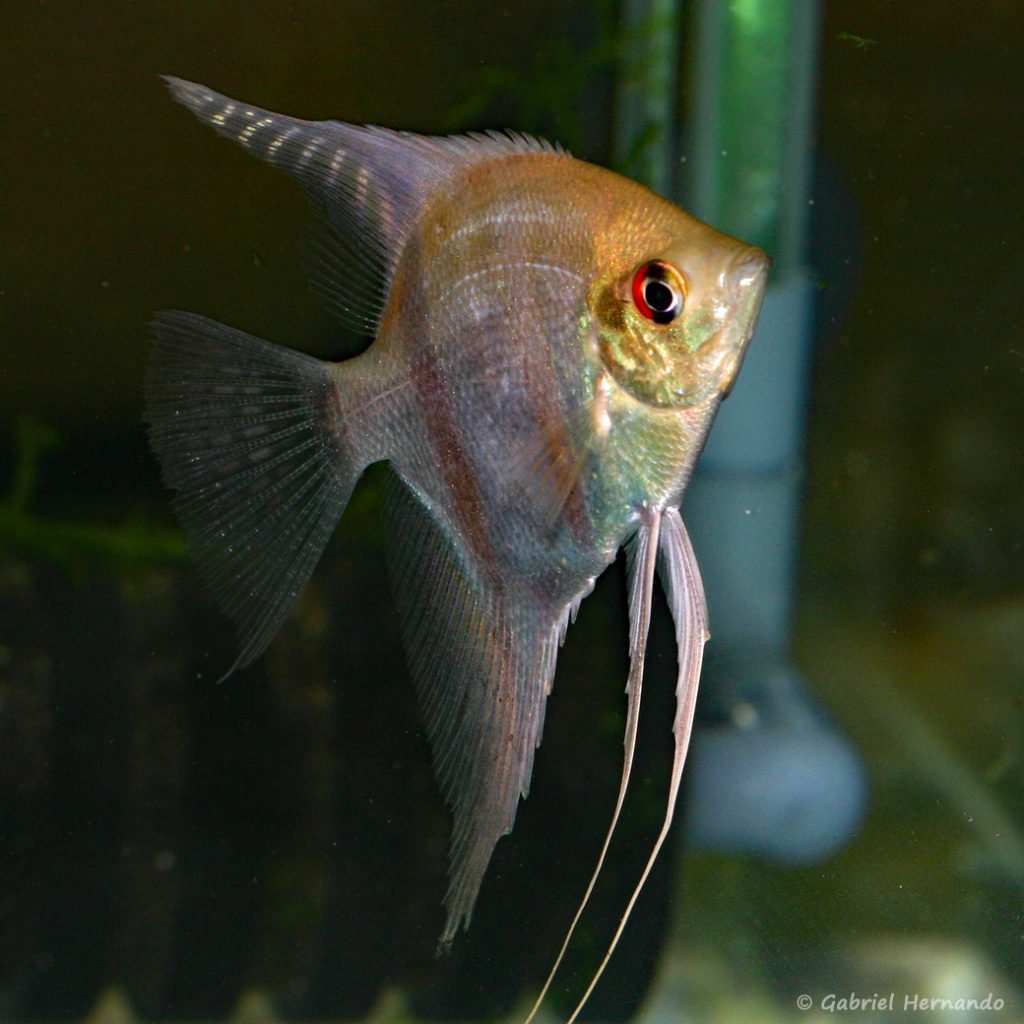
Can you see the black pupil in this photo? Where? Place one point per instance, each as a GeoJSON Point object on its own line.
{"type": "Point", "coordinates": [659, 296]}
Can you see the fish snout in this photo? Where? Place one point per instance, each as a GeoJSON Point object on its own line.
{"type": "Point", "coordinates": [748, 271]}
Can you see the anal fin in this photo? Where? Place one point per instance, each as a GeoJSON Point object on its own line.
{"type": "Point", "coordinates": [482, 664]}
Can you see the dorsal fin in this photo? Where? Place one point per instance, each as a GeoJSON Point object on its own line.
{"type": "Point", "coordinates": [369, 183]}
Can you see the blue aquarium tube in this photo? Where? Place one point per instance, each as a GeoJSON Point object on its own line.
{"type": "Point", "coordinates": [751, 121]}
{"type": "Point", "coordinates": [748, 160]}
{"type": "Point", "coordinates": [748, 157]}
{"type": "Point", "coordinates": [745, 163]}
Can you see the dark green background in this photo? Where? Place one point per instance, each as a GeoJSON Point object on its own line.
{"type": "Point", "coordinates": [191, 840]}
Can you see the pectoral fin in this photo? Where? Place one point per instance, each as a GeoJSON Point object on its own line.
{"type": "Point", "coordinates": [684, 588]}
{"type": "Point", "coordinates": [680, 576]}
{"type": "Point", "coordinates": [641, 560]}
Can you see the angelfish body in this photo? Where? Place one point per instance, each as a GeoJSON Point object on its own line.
{"type": "Point", "coordinates": [551, 344]}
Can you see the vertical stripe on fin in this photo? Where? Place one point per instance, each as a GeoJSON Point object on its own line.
{"type": "Point", "coordinates": [353, 254]}
{"type": "Point", "coordinates": [370, 185]}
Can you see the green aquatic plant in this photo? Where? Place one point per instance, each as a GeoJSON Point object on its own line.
{"type": "Point", "coordinates": [64, 542]}
{"type": "Point", "coordinates": [861, 42]}
{"type": "Point", "coordinates": [546, 97]}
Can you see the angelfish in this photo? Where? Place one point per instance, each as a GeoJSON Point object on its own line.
{"type": "Point", "coordinates": [552, 342]}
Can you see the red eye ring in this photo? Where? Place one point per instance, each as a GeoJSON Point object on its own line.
{"type": "Point", "coordinates": [659, 292]}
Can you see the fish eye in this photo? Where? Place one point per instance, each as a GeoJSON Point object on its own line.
{"type": "Point", "coordinates": [659, 292]}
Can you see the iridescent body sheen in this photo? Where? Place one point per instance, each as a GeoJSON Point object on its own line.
{"type": "Point", "coordinates": [539, 404]}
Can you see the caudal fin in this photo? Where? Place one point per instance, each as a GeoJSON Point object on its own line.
{"type": "Point", "coordinates": [245, 431]}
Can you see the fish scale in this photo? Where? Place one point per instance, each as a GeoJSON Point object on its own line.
{"type": "Point", "coordinates": [551, 344]}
